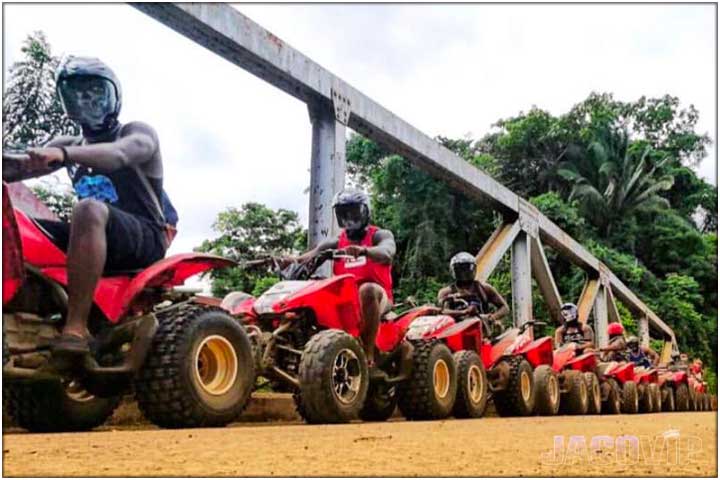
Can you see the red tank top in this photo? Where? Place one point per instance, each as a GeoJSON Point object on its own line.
{"type": "Point", "coordinates": [363, 269]}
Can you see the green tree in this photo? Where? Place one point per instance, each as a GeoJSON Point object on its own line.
{"type": "Point", "coordinates": [32, 112]}
{"type": "Point", "coordinates": [247, 233]}
{"type": "Point", "coordinates": [614, 179]}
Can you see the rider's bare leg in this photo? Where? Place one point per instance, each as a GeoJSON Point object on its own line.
{"type": "Point", "coordinates": [87, 252]}
{"type": "Point", "coordinates": [371, 300]}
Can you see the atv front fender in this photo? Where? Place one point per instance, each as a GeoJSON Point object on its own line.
{"type": "Point", "coordinates": [166, 273]}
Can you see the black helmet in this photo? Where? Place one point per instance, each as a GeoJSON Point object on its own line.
{"type": "Point", "coordinates": [632, 342]}
{"type": "Point", "coordinates": [90, 93]}
{"type": "Point", "coordinates": [463, 267]}
{"type": "Point", "coordinates": [569, 312]}
{"type": "Point", "coordinates": [352, 210]}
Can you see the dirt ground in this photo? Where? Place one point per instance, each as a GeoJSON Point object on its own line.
{"type": "Point", "coordinates": [665, 444]}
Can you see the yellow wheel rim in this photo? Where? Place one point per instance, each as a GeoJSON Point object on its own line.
{"type": "Point", "coordinates": [525, 385]}
{"type": "Point", "coordinates": [475, 384]}
{"type": "Point", "coordinates": [216, 365]}
{"type": "Point", "coordinates": [441, 379]}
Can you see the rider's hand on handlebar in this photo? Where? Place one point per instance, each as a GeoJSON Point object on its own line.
{"type": "Point", "coordinates": [284, 262]}
{"type": "Point", "coordinates": [354, 250]}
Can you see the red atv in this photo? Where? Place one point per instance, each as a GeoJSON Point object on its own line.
{"type": "Point", "coordinates": [517, 366]}
{"type": "Point", "coordinates": [677, 384]}
{"type": "Point", "coordinates": [182, 358]}
{"type": "Point", "coordinates": [580, 386]}
{"type": "Point", "coordinates": [520, 371]}
{"type": "Point", "coordinates": [305, 330]}
{"type": "Point", "coordinates": [618, 387]}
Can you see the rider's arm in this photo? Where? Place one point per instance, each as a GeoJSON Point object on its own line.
{"type": "Point", "coordinates": [654, 357]}
{"type": "Point", "coordinates": [615, 345]}
{"type": "Point", "coordinates": [558, 336]}
{"type": "Point", "coordinates": [383, 249]}
{"type": "Point", "coordinates": [442, 295]}
{"type": "Point", "coordinates": [496, 299]}
{"type": "Point", "coordinates": [17, 167]}
{"type": "Point", "coordinates": [326, 244]}
{"type": "Point", "coordinates": [135, 148]}
{"type": "Point", "coordinates": [588, 337]}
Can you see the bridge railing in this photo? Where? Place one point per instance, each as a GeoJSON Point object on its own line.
{"type": "Point", "coordinates": [334, 104]}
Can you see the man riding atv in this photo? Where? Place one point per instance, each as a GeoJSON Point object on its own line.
{"type": "Point", "coordinates": [123, 219]}
{"type": "Point", "coordinates": [572, 331]}
{"type": "Point", "coordinates": [616, 349]}
{"type": "Point", "coordinates": [373, 250]}
{"type": "Point", "coordinates": [641, 355]}
{"type": "Point", "coordinates": [480, 296]}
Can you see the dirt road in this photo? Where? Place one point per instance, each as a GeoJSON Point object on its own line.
{"type": "Point", "coordinates": [483, 447]}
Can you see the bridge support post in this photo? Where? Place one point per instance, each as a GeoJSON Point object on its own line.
{"type": "Point", "coordinates": [601, 317]}
{"type": "Point", "coordinates": [521, 274]}
{"type": "Point", "coordinates": [644, 330]}
{"type": "Point", "coordinates": [327, 170]}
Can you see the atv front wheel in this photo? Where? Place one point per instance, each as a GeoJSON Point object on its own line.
{"type": "Point", "coordinates": [682, 398]}
{"type": "Point", "coordinates": [547, 391]}
{"type": "Point", "coordinates": [594, 394]}
{"type": "Point", "coordinates": [518, 397]}
{"type": "Point", "coordinates": [55, 406]}
{"type": "Point", "coordinates": [472, 394]}
{"type": "Point", "coordinates": [333, 378]}
{"type": "Point", "coordinates": [380, 403]}
{"type": "Point", "coordinates": [630, 400]}
{"type": "Point", "coordinates": [575, 398]}
{"type": "Point", "coordinates": [613, 401]}
{"type": "Point", "coordinates": [430, 391]}
{"type": "Point", "coordinates": [199, 371]}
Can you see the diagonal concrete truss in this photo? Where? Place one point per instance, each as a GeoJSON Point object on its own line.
{"type": "Point", "coordinates": [334, 104]}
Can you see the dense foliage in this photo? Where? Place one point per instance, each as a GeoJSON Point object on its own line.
{"type": "Point", "coordinates": [615, 175]}
{"type": "Point", "coordinates": [249, 233]}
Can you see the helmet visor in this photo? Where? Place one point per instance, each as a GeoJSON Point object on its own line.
{"type": "Point", "coordinates": [568, 314]}
{"type": "Point", "coordinates": [464, 272]}
{"type": "Point", "coordinates": [351, 216]}
{"type": "Point", "coordinates": [87, 99]}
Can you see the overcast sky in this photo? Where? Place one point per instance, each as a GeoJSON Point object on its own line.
{"type": "Point", "coordinates": [227, 137]}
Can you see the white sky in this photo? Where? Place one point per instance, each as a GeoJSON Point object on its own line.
{"type": "Point", "coordinates": [229, 138]}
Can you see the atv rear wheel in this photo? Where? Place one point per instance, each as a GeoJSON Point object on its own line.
{"type": "Point", "coordinates": [645, 400]}
{"type": "Point", "coordinates": [574, 400]}
{"type": "Point", "coordinates": [55, 406]}
{"type": "Point", "coordinates": [518, 397]}
{"type": "Point", "coordinates": [682, 397]}
{"type": "Point", "coordinates": [472, 393]}
{"type": "Point", "coordinates": [630, 399]}
{"type": "Point", "coordinates": [333, 378]}
{"type": "Point", "coordinates": [668, 399]}
{"type": "Point", "coordinates": [594, 394]}
{"type": "Point", "coordinates": [613, 401]}
{"type": "Point", "coordinates": [199, 371]}
{"type": "Point", "coordinates": [430, 392]}
{"type": "Point", "coordinates": [380, 403]}
{"type": "Point", "coordinates": [547, 390]}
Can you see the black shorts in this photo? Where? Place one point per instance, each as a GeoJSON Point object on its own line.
{"type": "Point", "coordinates": [133, 242]}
